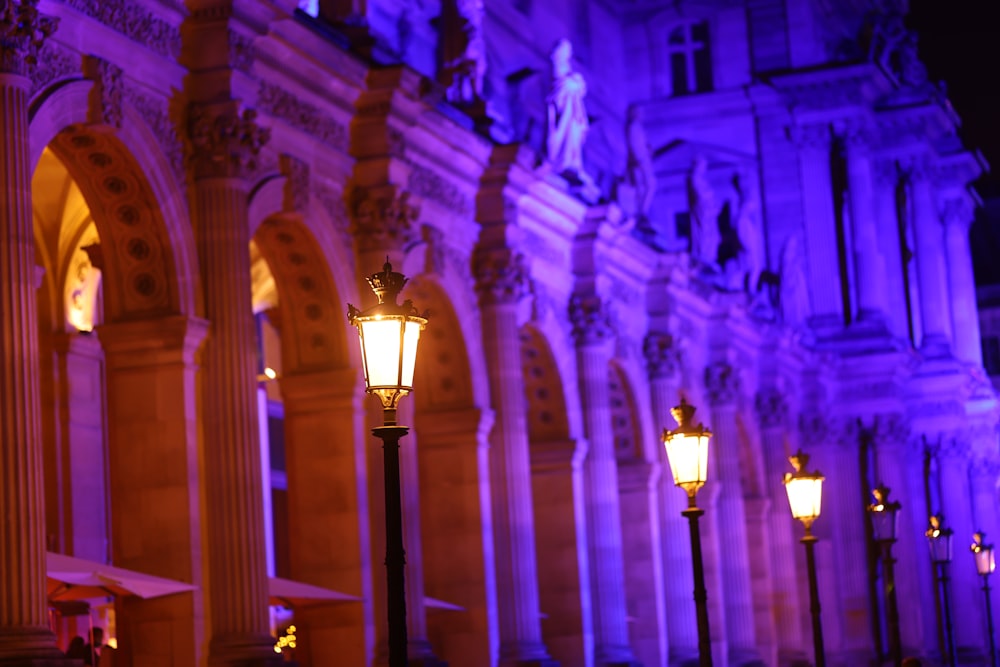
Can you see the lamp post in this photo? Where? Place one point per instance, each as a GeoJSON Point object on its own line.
{"type": "Point", "coordinates": [939, 541]}
{"type": "Point", "coordinates": [805, 496]}
{"type": "Point", "coordinates": [389, 333]}
{"type": "Point", "coordinates": [687, 453]}
{"type": "Point", "coordinates": [884, 519]}
{"type": "Point", "coordinates": [985, 564]}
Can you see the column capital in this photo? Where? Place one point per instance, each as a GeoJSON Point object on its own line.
{"type": "Point", "coordinates": [856, 134]}
{"type": "Point", "coordinates": [888, 430]}
{"type": "Point", "coordinates": [382, 217]}
{"type": "Point", "coordinates": [958, 211]}
{"type": "Point", "coordinates": [590, 318]}
{"type": "Point", "coordinates": [722, 381]}
{"type": "Point", "coordinates": [886, 173]}
{"type": "Point", "coordinates": [814, 428]}
{"type": "Point", "coordinates": [772, 408]}
{"type": "Point", "coordinates": [812, 136]}
{"type": "Point", "coordinates": [224, 140]}
{"type": "Point", "coordinates": [153, 341]}
{"type": "Point", "coordinates": [501, 275]}
{"type": "Point", "coordinates": [23, 31]}
{"type": "Point", "coordinates": [662, 355]}
{"type": "Point", "coordinates": [984, 471]}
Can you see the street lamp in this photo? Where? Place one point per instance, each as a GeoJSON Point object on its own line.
{"type": "Point", "coordinates": [939, 541]}
{"type": "Point", "coordinates": [885, 518]}
{"type": "Point", "coordinates": [389, 333]}
{"type": "Point", "coordinates": [805, 496]}
{"type": "Point", "coordinates": [687, 453]}
{"type": "Point", "coordinates": [985, 564]}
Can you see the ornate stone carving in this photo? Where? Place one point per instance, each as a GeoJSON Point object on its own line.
{"type": "Point", "coordinates": [279, 103]}
{"type": "Point", "coordinates": [501, 275]}
{"type": "Point", "coordinates": [224, 142]}
{"type": "Point", "coordinates": [333, 201]}
{"type": "Point", "coordinates": [722, 383]}
{"type": "Point", "coordinates": [985, 470]}
{"type": "Point", "coordinates": [888, 430]}
{"type": "Point", "coordinates": [427, 183]}
{"type": "Point", "coordinates": [54, 63]}
{"type": "Point", "coordinates": [106, 98]}
{"type": "Point", "coordinates": [662, 356]}
{"type": "Point", "coordinates": [23, 31]}
{"type": "Point", "coordinates": [156, 113]}
{"type": "Point", "coordinates": [383, 221]}
{"type": "Point", "coordinates": [810, 137]}
{"type": "Point", "coordinates": [135, 22]}
{"type": "Point", "coordinates": [296, 193]}
{"type": "Point", "coordinates": [814, 427]}
{"type": "Point", "coordinates": [590, 318]}
{"type": "Point", "coordinates": [242, 52]}
{"type": "Point", "coordinates": [957, 211]}
{"type": "Point", "coordinates": [772, 408]}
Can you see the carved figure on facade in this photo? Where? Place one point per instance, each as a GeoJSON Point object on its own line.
{"type": "Point", "coordinates": [704, 210]}
{"type": "Point", "coordinates": [383, 221]}
{"type": "Point", "coordinates": [772, 408]}
{"type": "Point", "coordinates": [23, 31]}
{"type": "Point", "coordinates": [662, 356]}
{"type": "Point", "coordinates": [590, 319]}
{"type": "Point", "coordinates": [722, 382]}
{"type": "Point", "coordinates": [793, 291]}
{"type": "Point", "coordinates": [568, 122]}
{"type": "Point", "coordinates": [640, 172]}
{"type": "Point", "coordinates": [894, 47]}
{"type": "Point", "coordinates": [464, 51]}
{"type": "Point", "coordinates": [748, 229]}
{"type": "Point", "coordinates": [224, 142]}
{"type": "Point", "coordinates": [106, 97]}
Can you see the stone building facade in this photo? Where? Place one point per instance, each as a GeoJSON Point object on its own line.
{"type": "Point", "coordinates": [761, 205]}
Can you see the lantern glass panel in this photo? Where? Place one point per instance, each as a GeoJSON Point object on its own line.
{"type": "Point", "coordinates": [884, 524]}
{"type": "Point", "coordinates": [380, 345]}
{"type": "Point", "coordinates": [411, 335]}
{"type": "Point", "coordinates": [805, 496]}
{"type": "Point", "coordinates": [985, 562]}
{"type": "Point", "coordinates": [940, 545]}
{"type": "Point", "coordinates": [688, 456]}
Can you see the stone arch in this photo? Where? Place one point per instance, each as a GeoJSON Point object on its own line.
{"type": "Point", "coordinates": [625, 420]}
{"type": "Point", "coordinates": [543, 391]}
{"type": "Point", "coordinates": [147, 243]}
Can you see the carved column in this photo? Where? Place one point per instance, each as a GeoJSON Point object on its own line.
{"type": "Point", "coordinates": [896, 238]}
{"type": "Point", "coordinates": [682, 629]}
{"type": "Point", "coordinates": [593, 335]}
{"type": "Point", "coordinates": [722, 385]}
{"type": "Point", "coordinates": [772, 413]}
{"type": "Point", "coordinates": [931, 272]}
{"type": "Point", "coordinates": [868, 260]}
{"type": "Point", "coordinates": [813, 142]}
{"type": "Point", "coordinates": [501, 281]}
{"type": "Point", "coordinates": [224, 142]}
{"type": "Point", "coordinates": [25, 638]}
{"type": "Point", "coordinates": [957, 214]}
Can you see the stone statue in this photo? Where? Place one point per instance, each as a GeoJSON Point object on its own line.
{"type": "Point", "coordinates": [793, 291]}
{"type": "Point", "coordinates": [748, 228]}
{"type": "Point", "coordinates": [704, 212]}
{"type": "Point", "coordinates": [641, 175]}
{"type": "Point", "coordinates": [567, 115]}
{"type": "Point", "coordinates": [463, 50]}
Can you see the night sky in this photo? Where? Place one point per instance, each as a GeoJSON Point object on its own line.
{"type": "Point", "coordinates": [960, 44]}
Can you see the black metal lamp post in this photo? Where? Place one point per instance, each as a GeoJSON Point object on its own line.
{"type": "Point", "coordinates": [985, 565]}
{"type": "Point", "coordinates": [805, 496]}
{"type": "Point", "coordinates": [884, 517]}
{"type": "Point", "coordinates": [389, 333]}
{"type": "Point", "coordinates": [687, 452]}
{"type": "Point", "coordinates": [939, 541]}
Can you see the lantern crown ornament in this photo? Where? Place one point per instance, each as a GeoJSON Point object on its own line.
{"type": "Point", "coordinates": [687, 449]}
{"type": "Point", "coordinates": [983, 553]}
{"type": "Point", "coordinates": [884, 514]}
{"type": "Point", "coordinates": [939, 539]}
{"type": "Point", "coordinates": [389, 332]}
{"type": "Point", "coordinates": [805, 490]}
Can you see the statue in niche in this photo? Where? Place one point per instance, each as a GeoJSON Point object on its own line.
{"type": "Point", "coordinates": [748, 228]}
{"type": "Point", "coordinates": [704, 213]}
{"type": "Point", "coordinates": [463, 51]}
{"type": "Point", "coordinates": [641, 174]}
{"type": "Point", "coordinates": [567, 116]}
{"type": "Point", "coordinates": [793, 295]}
{"type": "Point", "coordinates": [894, 47]}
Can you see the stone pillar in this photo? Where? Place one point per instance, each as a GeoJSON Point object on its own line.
{"type": "Point", "coordinates": [224, 142]}
{"type": "Point", "coordinates": [155, 482]}
{"type": "Point", "coordinates": [772, 413]}
{"type": "Point", "coordinates": [813, 142]}
{"type": "Point", "coordinates": [895, 237]}
{"type": "Point", "coordinates": [324, 424]}
{"type": "Point", "coordinates": [25, 638]}
{"type": "Point", "coordinates": [682, 629]}
{"type": "Point", "coordinates": [868, 260]}
{"type": "Point", "coordinates": [501, 281]}
{"type": "Point", "coordinates": [931, 273]}
{"type": "Point", "coordinates": [957, 214]}
{"type": "Point", "coordinates": [722, 386]}
{"type": "Point", "coordinates": [593, 335]}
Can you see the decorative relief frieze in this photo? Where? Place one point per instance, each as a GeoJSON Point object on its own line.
{"type": "Point", "coordinates": [772, 408]}
{"type": "Point", "coordinates": [810, 137]}
{"type": "Point", "coordinates": [381, 221]}
{"type": "Point", "coordinates": [662, 356]}
{"type": "Point", "coordinates": [106, 98]}
{"type": "Point", "coordinates": [54, 63]}
{"type": "Point", "coordinates": [224, 141]}
{"type": "Point", "coordinates": [426, 183]}
{"type": "Point", "coordinates": [23, 31]}
{"type": "Point", "coordinates": [135, 22]}
{"type": "Point", "coordinates": [590, 318]}
{"type": "Point", "coordinates": [242, 52]}
{"type": "Point", "coordinates": [279, 103]}
{"type": "Point", "coordinates": [501, 275]}
{"type": "Point", "coordinates": [156, 112]}
{"type": "Point", "coordinates": [332, 201]}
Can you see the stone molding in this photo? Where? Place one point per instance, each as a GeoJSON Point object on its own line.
{"type": "Point", "coordinates": [296, 191]}
{"type": "Point", "coordinates": [224, 142]}
{"type": "Point", "coordinates": [155, 111]}
{"type": "Point", "coordinates": [426, 183]}
{"type": "Point", "coordinates": [590, 318]}
{"type": "Point", "coordinates": [135, 22]}
{"type": "Point", "coordinates": [278, 103]}
{"type": "Point", "coordinates": [814, 136]}
{"type": "Point", "coordinates": [242, 52]}
{"type": "Point", "coordinates": [23, 31]}
{"type": "Point", "coordinates": [662, 356]}
{"type": "Point", "coordinates": [106, 98]}
{"type": "Point", "coordinates": [501, 275]}
{"type": "Point", "coordinates": [772, 408]}
{"type": "Point", "coordinates": [382, 222]}
{"type": "Point", "coordinates": [722, 382]}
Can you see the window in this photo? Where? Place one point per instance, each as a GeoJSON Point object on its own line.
{"type": "Point", "coordinates": [690, 59]}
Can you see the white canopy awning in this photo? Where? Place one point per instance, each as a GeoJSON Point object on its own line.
{"type": "Point", "coordinates": [71, 578]}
